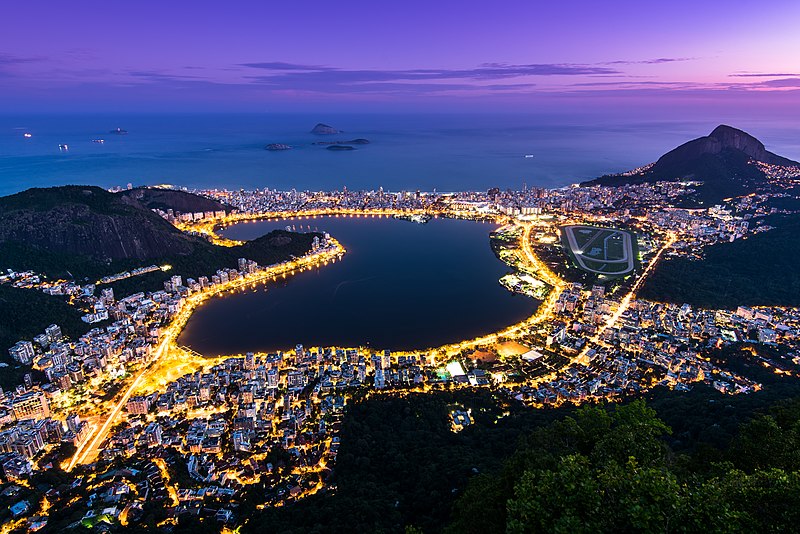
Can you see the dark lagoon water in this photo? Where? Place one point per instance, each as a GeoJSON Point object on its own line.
{"type": "Point", "coordinates": [401, 285]}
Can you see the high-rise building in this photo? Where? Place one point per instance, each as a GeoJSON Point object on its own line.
{"type": "Point", "coordinates": [138, 405]}
{"type": "Point", "coordinates": [53, 332]}
{"type": "Point", "coordinates": [153, 434]}
{"type": "Point", "coordinates": [31, 405]}
{"type": "Point", "coordinates": [73, 422]}
{"type": "Point", "coordinates": [272, 378]}
{"type": "Point", "coordinates": [23, 352]}
{"type": "Point", "coordinates": [107, 295]}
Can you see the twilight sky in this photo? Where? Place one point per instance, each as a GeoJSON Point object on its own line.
{"type": "Point", "coordinates": [272, 55]}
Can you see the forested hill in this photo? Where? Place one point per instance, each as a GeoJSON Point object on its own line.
{"type": "Point", "coordinates": [173, 199]}
{"type": "Point", "coordinates": [761, 270]}
{"type": "Point", "coordinates": [86, 232]}
{"type": "Point", "coordinates": [84, 222]}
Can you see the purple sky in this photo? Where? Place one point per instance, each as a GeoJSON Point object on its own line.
{"type": "Point", "coordinates": [430, 55]}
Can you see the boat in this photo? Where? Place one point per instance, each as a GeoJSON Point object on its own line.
{"type": "Point", "coordinates": [63, 147]}
{"type": "Point", "coordinates": [528, 155]}
{"type": "Point", "coordinates": [27, 135]}
{"type": "Point", "coordinates": [98, 141]}
{"type": "Point", "coordinates": [119, 131]}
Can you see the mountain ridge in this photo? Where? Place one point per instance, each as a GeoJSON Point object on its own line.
{"type": "Point", "coordinates": [88, 221]}
{"type": "Point", "coordinates": [721, 160]}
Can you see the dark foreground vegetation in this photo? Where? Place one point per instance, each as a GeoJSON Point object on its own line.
{"type": "Point", "coordinates": [674, 462]}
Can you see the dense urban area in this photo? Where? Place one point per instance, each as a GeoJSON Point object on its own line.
{"type": "Point", "coordinates": [123, 426]}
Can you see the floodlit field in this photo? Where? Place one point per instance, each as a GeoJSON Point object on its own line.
{"type": "Point", "coordinates": [606, 251]}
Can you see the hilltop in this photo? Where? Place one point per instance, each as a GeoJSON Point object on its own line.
{"type": "Point", "coordinates": [166, 199]}
{"type": "Point", "coordinates": [85, 222]}
{"type": "Point", "coordinates": [86, 231]}
{"type": "Point", "coordinates": [722, 160]}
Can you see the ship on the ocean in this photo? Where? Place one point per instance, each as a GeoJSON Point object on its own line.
{"type": "Point", "coordinates": [119, 131]}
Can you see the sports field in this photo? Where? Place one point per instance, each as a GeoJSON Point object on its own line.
{"type": "Point", "coordinates": [597, 250]}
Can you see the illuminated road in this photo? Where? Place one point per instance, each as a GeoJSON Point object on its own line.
{"type": "Point", "coordinates": [625, 303]}
{"type": "Point", "coordinates": [90, 448]}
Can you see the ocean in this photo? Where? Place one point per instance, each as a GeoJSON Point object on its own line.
{"type": "Point", "coordinates": [406, 152]}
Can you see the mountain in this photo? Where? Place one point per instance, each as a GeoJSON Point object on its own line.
{"type": "Point", "coordinates": [90, 222]}
{"type": "Point", "coordinates": [723, 161]}
{"type": "Point", "coordinates": [324, 129]}
{"type": "Point", "coordinates": [166, 199]}
{"type": "Point", "coordinates": [86, 231]}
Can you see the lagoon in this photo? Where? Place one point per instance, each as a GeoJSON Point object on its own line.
{"type": "Point", "coordinates": [400, 286]}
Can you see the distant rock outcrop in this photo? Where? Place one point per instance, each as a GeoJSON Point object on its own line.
{"type": "Point", "coordinates": [341, 148]}
{"type": "Point", "coordinates": [275, 147]}
{"type": "Point", "coordinates": [324, 129]}
{"type": "Point", "coordinates": [723, 138]}
{"type": "Point", "coordinates": [722, 161]}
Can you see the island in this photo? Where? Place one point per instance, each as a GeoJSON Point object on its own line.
{"type": "Point", "coordinates": [324, 129]}
{"type": "Point", "coordinates": [277, 146]}
{"type": "Point", "coordinates": [359, 141]}
{"type": "Point", "coordinates": [340, 147]}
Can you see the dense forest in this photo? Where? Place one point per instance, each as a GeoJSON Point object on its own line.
{"type": "Point", "coordinates": [760, 270]}
{"type": "Point", "coordinates": [25, 313]}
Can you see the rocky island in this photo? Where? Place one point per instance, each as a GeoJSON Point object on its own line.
{"type": "Point", "coordinates": [340, 147]}
{"type": "Point", "coordinates": [277, 146]}
{"type": "Point", "coordinates": [359, 141]}
{"type": "Point", "coordinates": [324, 129]}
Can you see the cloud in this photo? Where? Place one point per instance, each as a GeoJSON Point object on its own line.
{"type": "Point", "coordinates": [761, 74]}
{"type": "Point", "coordinates": [634, 84]}
{"type": "Point", "coordinates": [489, 71]}
{"type": "Point", "coordinates": [161, 76]}
{"type": "Point", "coordinates": [281, 76]}
{"type": "Point", "coordinates": [8, 60]}
{"type": "Point", "coordinates": [280, 65]}
{"type": "Point", "coordinates": [655, 61]}
{"type": "Point", "coordinates": [783, 82]}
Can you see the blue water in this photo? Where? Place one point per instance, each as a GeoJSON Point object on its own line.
{"type": "Point", "coordinates": [401, 285]}
{"type": "Point", "coordinates": [446, 152]}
